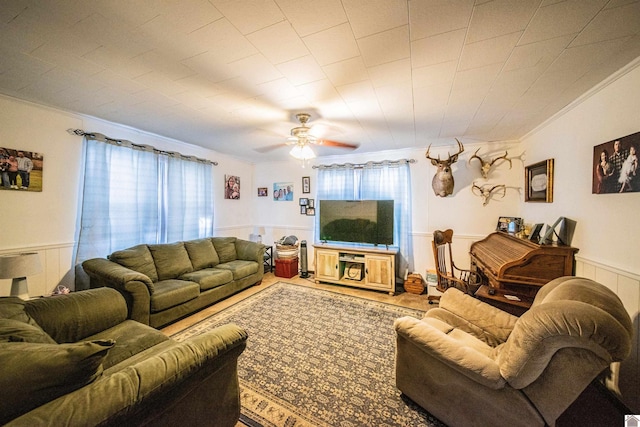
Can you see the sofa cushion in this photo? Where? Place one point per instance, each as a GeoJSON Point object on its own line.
{"type": "Point", "coordinates": [137, 258]}
{"type": "Point", "coordinates": [170, 293]}
{"type": "Point", "coordinates": [202, 253]}
{"type": "Point", "coordinates": [13, 308]}
{"type": "Point", "coordinates": [226, 248]}
{"type": "Point", "coordinates": [39, 373]}
{"type": "Point", "coordinates": [240, 268]}
{"type": "Point", "coordinates": [171, 260]}
{"type": "Point", "coordinates": [209, 278]}
{"type": "Point", "coordinates": [12, 330]}
{"type": "Point", "coordinates": [131, 338]}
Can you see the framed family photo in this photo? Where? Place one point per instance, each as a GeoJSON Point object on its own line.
{"type": "Point", "coordinates": [615, 166]}
{"type": "Point", "coordinates": [20, 170]}
{"type": "Point", "coordinates": [538, 179]}
{"type": "Point", "coordinates": [263, 191]}
{"type": "Point", "coordinates": [283, 191]}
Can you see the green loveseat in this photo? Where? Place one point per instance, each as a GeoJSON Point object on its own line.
{"type": "Point", "coordinates": [76, 360]}
{"type": "Point", "coordinates": [165, 282]}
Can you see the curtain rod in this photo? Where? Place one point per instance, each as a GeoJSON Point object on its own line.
{"type": "Point", "coordinates": [362, 165]}
{"type": "Point", "coordinates": [123, 142]}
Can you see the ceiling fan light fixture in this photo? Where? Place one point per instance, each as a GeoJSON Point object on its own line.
{"type": "Point", "coordinates": [302, 152]}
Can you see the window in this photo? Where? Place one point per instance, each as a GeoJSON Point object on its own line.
{"type": "Point", "coordinates": [374, 181]}
{"type": "Point", "coordinates": [135, 194]}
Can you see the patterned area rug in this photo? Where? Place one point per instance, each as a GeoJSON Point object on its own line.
{"type": "Point", "coordinates": [317, 358]}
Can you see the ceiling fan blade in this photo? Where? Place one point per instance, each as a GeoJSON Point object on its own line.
{"type": "Point", "coordinates": [329, 143]}
{"type": "Point", "coordinates": [269, 148]}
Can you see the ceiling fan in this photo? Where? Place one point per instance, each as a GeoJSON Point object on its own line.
{"type": "Point", "coordinates": [302, 139]}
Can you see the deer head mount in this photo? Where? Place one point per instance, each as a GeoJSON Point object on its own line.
{"type": "Point", "coordinates": [487, 193]}
{"type": "Point", "coordinates": [485, 166]}
{"type": "Point", "coordinates": [442, 182]}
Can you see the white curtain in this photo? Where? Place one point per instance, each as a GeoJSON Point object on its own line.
{"type": "Point", "coordinates": [133, 194]}
{"type": "Point", "coordinates": [374, 181]}
{"type": "Point", "coordinates": [392, 181]}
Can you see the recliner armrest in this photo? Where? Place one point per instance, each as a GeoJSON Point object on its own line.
{"type": "Point", "coordinates": [437, 344]}
{"type": "Point", "coordinates": [475, 317]}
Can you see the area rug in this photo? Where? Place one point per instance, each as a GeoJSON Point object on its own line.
{"type": "Point", "coordinates": [317, 358]}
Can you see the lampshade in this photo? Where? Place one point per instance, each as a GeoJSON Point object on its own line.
{"type": "Point", "coordinates": [18, 267]}
{"type": "Point", "coordinates": [302, 152]}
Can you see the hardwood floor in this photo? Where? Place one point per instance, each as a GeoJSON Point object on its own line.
{"type": "Point", "coordinates": [401, 298]}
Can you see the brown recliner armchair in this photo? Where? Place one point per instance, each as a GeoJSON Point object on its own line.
{"type": "Point", "coordinates": [471, 364]}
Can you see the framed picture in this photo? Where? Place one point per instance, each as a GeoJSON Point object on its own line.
{"type": "Point", "coordinates": [311, 211]}
{"type": "Point", "coordinates": [283, 191]}
{"type": "Point", "coordinates": [535, 232]}
{"type": "Point", "coordinates": [538, 179]}
{"type": "Point", "coordinates": [303, 210]}
{"type": "Point", "coordinates": [311, 203]}
{"type": "Point", "coordinates": [263, 191]}
{"type": "Point", "coordinates": [20, 170]}
{"type": "Point", "coordinates": [303, 201]}
{"type": "Point", "coordinates": [549, 231]}
{"type": "Point", "coordinates": [231, 187]}
{"type": "Point", "coordinates": [306, 184]}
{"type": "Point", "coordinates": [615, 166]}
{"type": "Point", "coordinates": [509, 224]}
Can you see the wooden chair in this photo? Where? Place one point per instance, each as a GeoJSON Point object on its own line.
{"type": "Point", "coordinates": [447, 273]}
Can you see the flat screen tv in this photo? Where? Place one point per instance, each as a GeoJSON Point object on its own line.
{"type": "Point", "coordinates": [356, 221]}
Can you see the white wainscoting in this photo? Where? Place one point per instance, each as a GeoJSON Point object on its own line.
{"type": "Point", "coordinates": [57, 269]}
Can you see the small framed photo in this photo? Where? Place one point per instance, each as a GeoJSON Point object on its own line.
{"type": "Point", "coordinates": [509, 224]}
{"type": "Point", "coordinates": [263, 191]}
{"type": "Point", "coordinates": [538, 179]}
{"type": "Point", "coordinates": [311, 211]}
{"type": "Point", "coordinates": [306, 184]}
{"type": "Point", "coordinates": [303, 210]}
{"type": "Point", "coordinates": [311, 204]}
{"type": "Point", "coordinates": [303, 201]}
{"type": "Point", "coordinates": [535, 232]}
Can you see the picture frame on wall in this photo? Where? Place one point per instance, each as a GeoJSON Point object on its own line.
{"type": "Point", "coordinates": [20, 170]}
{"type": "Point", "coordinates": [263, 191]}
{"type": "Point", "coordinates": [615, 166]}
{"type": "Point", "coordinates": [306, 184]}
{"type": "Point", "coordinates": [303, 201]}
{"type": "Point", "coordinates": [283, 191]}
{"type": "Point", "coordinates": [303, 209]}
{"type": "Point", "coordinates": [311, 211]}
{"type": "Point", "coordinates": [538, 179]}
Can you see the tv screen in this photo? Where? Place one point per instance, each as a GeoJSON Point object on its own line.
{"type": "Point", "coordinates": [357, 221]}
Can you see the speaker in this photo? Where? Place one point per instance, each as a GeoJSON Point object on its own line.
{"type": "Point", "coordinates": [304, 270]}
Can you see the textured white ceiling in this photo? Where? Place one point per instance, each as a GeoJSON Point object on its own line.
{"type": "Point", "coordinates": [385, 74]}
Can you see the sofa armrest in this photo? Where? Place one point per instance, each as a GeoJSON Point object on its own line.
{"type": "Point", "coordinates": [74, 317]}
{"type": "Point", "coordinates": [134, 286]}
{"type": "Point", "coordinates": [475, 317]}
{"type": "Point", "coordinates": [440, 346]}
{"type": "Point", "coordinates": [191, 383]}
{"type": "Point", "coordinates": [250, 251]}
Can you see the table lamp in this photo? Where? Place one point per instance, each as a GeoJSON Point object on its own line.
{"type": "Point", "coordinates": [258, 232]}
{"type": "Point", "coordinates": [18, 267]}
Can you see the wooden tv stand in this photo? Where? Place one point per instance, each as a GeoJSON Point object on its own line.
{"type": "Point", "coordinates": [356, 265]}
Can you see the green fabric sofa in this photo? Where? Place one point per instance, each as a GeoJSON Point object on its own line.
{"type": "Point", "coordinates": [165, 282]}
{"type": "Point", "coordinates": [76, 360]}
